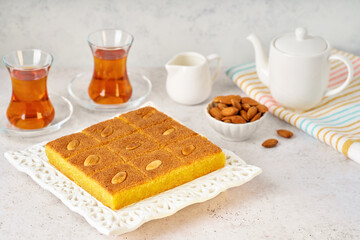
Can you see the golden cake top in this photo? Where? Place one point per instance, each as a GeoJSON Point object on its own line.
{"type": "Point", "coordinates": [94, 160]}
{"type": "Point", "coordinates": [144, 117]}
{"type": "Point", "coordinates": [193, 148]}
{"type": "Point", "coordinates": [118, 178]}
{"type": "Point", "coordinates": [69, 145]}
{"type": "Point", "coordinates": [168, 132]}
{"type": "Point", "coordinates": [108, 130]}
{"type": "Point", "coordinates": [157, 163]}
{"type": "Point", "coordinates": [132, 146]}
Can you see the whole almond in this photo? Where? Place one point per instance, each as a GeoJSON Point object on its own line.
{"type": "Point", "coordinates": [245, 106]}
{"type": "Point", "coordinates": [227, 121]}
{"type": "Point", "coordinates": [284, 133]}
{"type": "Point", "coordinates": [262, 108]}
{"type": "Point", "coordinates": [153, 165]}
{"type": "Point", "coordinates": [226, 99]}
{"type": "Point", "coordinates": [169, 131]}
{"type": "Point", "coordinates": [229, 111]}
{"type": "Point", "coordinates": [237, 119]}
{"type": "Point", "coordinates": [215, 113]}
{"type": "Point", "coordinates": [270, 143]}
{"type": "Point", "coordinates": [256, 117]}
{"type": "Point", "coordinates": [133, 146]}
{"type": "Point", "coordinates": [149, 114]}
{"type": "Point", "coordinates": [249, 101]}
{"type": "Point", "coordinates": [107, 131]}
{"type": "Point", "coordinates": [243, 114]}
{"type": "Point", "coordinates": [235, 103]}
{"type": "Point", "coordinates": [221, 106]}
{"type": "Point", "coordinates": [188, 150]}
{"type": "Point", "coordinates": [251, 112]}
{"type": "Point", "coordinates": [73, 145]}
{"type": "Point", "coordinates": [119, 178]}
{"type": "Point", "coordinates": [91, 160]}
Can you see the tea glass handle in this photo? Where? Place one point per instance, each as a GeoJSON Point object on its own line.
{"type": "Point", "coordinates": [218, 58]}
{"type": "Point", "coordinates": [349, 77]}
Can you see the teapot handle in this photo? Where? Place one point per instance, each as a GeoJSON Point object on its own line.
{"type": "Point", "coordinates": [218, 58]}
{"type": "Point", "coordinates": [349, 77]}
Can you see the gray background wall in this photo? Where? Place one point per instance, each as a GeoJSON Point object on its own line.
{"type": "Point", "coordinates": [163, 28]}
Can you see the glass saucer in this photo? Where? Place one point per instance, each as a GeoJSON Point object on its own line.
{"type": "Point", "coordinates": [63, 111]}
{"type": "Point", "coordinates": [78, 90]}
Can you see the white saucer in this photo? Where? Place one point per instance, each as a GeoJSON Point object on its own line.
{"type": "Point", "coordinates": [78, 90]}
{"type": "Point", "coordinates": [63, 111]}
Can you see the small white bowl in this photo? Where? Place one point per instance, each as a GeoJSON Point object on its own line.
{"type": "Point", "coordinates": [231, 131]}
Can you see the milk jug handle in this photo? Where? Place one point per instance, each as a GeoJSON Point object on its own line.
{"type": "Point", "coordinates": [349, 77]}
{"type": "Point", "coordinates": [218, 58]}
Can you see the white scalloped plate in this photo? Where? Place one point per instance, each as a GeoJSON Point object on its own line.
{"type": "Point", "coordinates": [33, 162]}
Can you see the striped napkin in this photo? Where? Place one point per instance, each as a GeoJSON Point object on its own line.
{"type": "Point", "coordinates": [336, 121]}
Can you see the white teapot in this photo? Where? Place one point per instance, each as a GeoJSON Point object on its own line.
{"type": "Point", "coordinates": [298, 69]}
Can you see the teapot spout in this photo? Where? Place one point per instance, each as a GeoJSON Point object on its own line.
{"type": "Point", "coordinates": [260, 59]}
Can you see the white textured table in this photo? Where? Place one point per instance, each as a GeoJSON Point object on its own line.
{"type": "Point", "coordinates": [307, 190]}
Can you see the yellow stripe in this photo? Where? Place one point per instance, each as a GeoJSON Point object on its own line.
{"type": "Point", "coordinates": [264, 92]}
{"type": "Point", "coordinates": [296, 120]}
{"type": "Point", "coordinates": [281, 112]}
{"type": "Point", "coordinates": [243, 75]}
{"type": "Point", "coordinates": [347, 102]}
{"type": "Point", "coordinates": [256, 88]}
{"type": "Point", "coordinates": [245, 80]}
{"type": "Point", "coordinates": [337, 65]}
{"type": "Point", "coordinates": [251, 84]}
{"type": "Point", "coordinates": [331, 100]}
{"type": "Point", "coordinates": [346, 146]}
{"type": "Point", "coordinates": [283, 117]}
{"type": "Point", "coordinates": [291, 117]}
{"type": "Point", "coordinates": [339, 127]}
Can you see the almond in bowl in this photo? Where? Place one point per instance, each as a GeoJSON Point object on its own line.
{"type": "Point", "coordinates": [234, 117]}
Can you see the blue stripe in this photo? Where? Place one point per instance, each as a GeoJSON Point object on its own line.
{"type": "Point", "coordinates": [334, 114]}
{"type": "Point", "coordinates": [236, 66]}
{"type": "Point", "coordinates": [312, 132]}
{"type": "Point", "coordinates": [240, 70]}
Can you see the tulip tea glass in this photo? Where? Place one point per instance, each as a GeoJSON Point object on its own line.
{"type": "Point", "coordinates": [110, 82]}
{"type": "Point", "coordinates": [30, 107]}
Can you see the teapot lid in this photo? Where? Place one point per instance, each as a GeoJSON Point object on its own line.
{"type": "Point", "coordinates": [300, 43]}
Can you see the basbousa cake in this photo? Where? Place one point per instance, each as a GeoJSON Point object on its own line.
{"type": "Point", "coordinates": [134, 156]}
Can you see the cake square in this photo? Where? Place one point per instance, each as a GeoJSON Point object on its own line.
{"type": "Point", "coordinates": [168, 132]}
{"type": "Point", "coordinates": [72, 144]}
{"type": "Point", "coordinates": [118, 186]}
{"type": "Point", "coordinates": [108, 130]}
{"type": "Point", "coordinates": [144, 117]}
{"type": "Point", "coordinates": [157, 163]}
{"type": "Point", "coordinates": [94, 160]}
{"type": "Point", "coordinates": [132, 146]}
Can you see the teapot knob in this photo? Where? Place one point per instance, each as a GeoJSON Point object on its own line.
{"type": "Point", "coordinates": [300, 33]}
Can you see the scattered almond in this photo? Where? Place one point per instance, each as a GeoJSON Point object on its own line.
{"type": "Point", "coordinates": [107, 131]}
{"type": "Point", "coordinates": [119, 178]}
{"type": "Point", "coordinates": [153, 165]}
{"type": "Point", "coordinates": [188, 150]}
{"type": "Point", "coordinates": [284, 133]}
{"type": "Point", "coordinates": [73, 145]}
{"type": "Point", "coordinates": [270, 143]}
{"type": "Point", "coordinates": [169, 131]}
{"type": "Point", "coordinates": [91, 160]}
{"type": "Point", "coordinates": [215, 113]}
{"type": "Point", "coordinates": [251, 112]}
{"type": "Point", "coordinates": [250, 101]}
{"type": "Point", "coordinates": [256, 117]}
{"type": "Point", "coordinates": [262, 108]}
{"type": "Point", "coordinates": [133, 146]}
{"type": "Point", "coordinates": [229, 111]}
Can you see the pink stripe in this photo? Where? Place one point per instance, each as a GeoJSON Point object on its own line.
{"type": "Point", "coordinates": [343, 80]}
{"type": "Point", "coordinates": [344, 67]}
{"type": "Point", "coordinates": [339, 76]}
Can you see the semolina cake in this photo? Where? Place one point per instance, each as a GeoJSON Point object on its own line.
{"type": "Point", "coordinates": [134, 156]}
